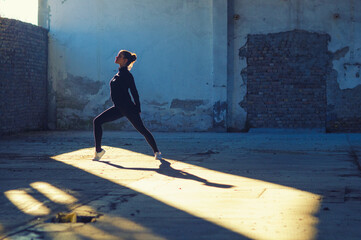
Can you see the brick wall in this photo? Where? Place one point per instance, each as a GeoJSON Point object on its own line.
{"type": "Point", "coordinates": [23, 76]}
{"type": "Point", "coordinates": [286, 79]}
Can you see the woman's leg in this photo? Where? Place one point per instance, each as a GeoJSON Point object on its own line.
{"type": "Point", "coordinates": [137, 122]}
{"type": "Point", "coordinates": [108, 115]}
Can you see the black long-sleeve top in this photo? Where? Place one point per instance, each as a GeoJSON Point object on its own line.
{"type": "Point", "coordinates": [119, 91]}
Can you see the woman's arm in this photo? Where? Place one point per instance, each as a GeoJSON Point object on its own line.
{"type": "Point", "coordinates": [134, 93]}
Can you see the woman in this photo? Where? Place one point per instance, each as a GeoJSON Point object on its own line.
{"type": "Point", "coordinates": [123, 105]}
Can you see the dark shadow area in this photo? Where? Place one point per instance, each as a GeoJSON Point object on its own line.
{"type": "Point", "coordinates": [166, 169]}
{"type": "Point", "coordinates": [33, 163]}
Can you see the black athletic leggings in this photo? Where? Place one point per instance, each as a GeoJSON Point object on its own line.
{"type": "Point", "coordinates": [112, 114]}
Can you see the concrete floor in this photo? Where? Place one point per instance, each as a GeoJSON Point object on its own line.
{"type": "Point", "coordinates": [258, 185]}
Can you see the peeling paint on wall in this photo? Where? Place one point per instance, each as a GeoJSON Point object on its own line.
{"type": "Point", "coordinates": [219, 114]}
{"type": "Point", "coordinates": [340, 53]}
{"type": "Point", "coordinates": [79, 100]}
{"type": "Point", "coordinates": [179, 115]}
{"type": "Point", "coordinates": [352, 74]}
{"type": "Point", "coordinates": [348, 71]}
{"type": "Point", "coordinates": [343, 107]}
{"type": "Point", "coordinates": [155, 103]}
{"type": "Point", "coordinates": [76, 91]}
{"type": "Point", "coordinates": [186, 105]}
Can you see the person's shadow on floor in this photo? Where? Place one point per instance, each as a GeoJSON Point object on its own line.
{"type": "Point", "coordinates": [166, 169]}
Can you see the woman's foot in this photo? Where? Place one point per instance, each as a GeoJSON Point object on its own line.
{"type": "Point", "coordinates": [98, 155]}
{"type": "Point", "coordinates": [158, 156]}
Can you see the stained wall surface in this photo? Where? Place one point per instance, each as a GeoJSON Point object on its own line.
{"type": "Point", "coordinates": [173, 73]}
{"type": "Point", "coordinates": [192, 73]}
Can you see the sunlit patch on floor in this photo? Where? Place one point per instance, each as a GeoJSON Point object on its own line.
{"type": "Point", "coordinates": [253, 208]}
{"type": "Point", "coordinates": [26, 203]}
{"type": "Point", "coordinates": [53, 193]}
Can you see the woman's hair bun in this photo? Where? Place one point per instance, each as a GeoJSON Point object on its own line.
{"type": "Point", "coordinates": [131, 57]}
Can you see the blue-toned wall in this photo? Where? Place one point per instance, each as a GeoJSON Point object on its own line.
{"type": "Point", "coordinates": [175, 42]}
{"type": "Point", "coordinates": [189, 72]}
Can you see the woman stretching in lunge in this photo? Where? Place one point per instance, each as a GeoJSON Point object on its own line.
{"type": "Point", "coordinates": [123, 105]}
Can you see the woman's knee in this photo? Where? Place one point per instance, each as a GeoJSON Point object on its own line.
{"type": "Point", "coordinates": [96, 121]}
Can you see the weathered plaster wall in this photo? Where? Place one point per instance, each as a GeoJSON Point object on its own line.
{"type": "Point", "coordinates": [339, 19]}
{"type": "Point", "coordinates": [178, 83]}
{"type": "Point", "coordinates": [343, 107]}
{"type": "Point", "coordinates": [189, 73]}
